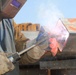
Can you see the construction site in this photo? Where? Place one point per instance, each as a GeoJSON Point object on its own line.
{"type": "Point", "coordinates": [32, 49]}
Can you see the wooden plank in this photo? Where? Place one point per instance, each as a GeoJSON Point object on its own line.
{"type": "Point", "coordinates": [33, 28]}
{"type": "Point", "coordinates": [29, 28]}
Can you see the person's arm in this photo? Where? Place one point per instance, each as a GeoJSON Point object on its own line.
{"type": "Point", "coordinates": [31, 56]}
{"type": "Point", "coordinates": [20, 39]}
{"type": "Point", "coordinates": [17, 32]}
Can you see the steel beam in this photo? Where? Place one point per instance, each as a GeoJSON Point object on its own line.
{"type": "Point", "coordinates": [58, 64]}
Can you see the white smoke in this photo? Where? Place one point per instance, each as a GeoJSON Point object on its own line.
{"type": "Point", "coordinates": [48, 14]}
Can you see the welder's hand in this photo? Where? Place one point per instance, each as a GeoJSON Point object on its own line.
{"type": "Point", "coordinates": [34, 54]}
{"type": "Point", "coordinates": [5, 64]}
{"type": "Point", "coordinates": [38, 51]}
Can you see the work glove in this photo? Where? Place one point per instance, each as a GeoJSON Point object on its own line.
{"type": "Point", "coordinates": [34, 54]}
{"type": "Point", "coordinates": [5, 64]}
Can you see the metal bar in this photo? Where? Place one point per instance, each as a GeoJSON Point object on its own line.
{"type": "Point", "coordinates": [49, 73]}
{"type": "Point", "coordinates": [61, 64]}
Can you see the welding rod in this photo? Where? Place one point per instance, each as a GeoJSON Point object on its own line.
{"type": "Point", "coordinates": [27, 49]}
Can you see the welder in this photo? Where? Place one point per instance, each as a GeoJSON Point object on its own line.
{"type": "Point", "coordinates": [8, 9]}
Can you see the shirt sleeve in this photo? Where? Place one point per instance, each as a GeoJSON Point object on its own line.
{"type": "Point", "coordinates": [7, 35]}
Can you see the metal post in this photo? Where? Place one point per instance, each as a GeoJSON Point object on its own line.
{"type": "Point", "coordinates": [49, 72]}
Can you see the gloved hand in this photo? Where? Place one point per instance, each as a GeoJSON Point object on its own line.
{"type": "Point", "coordinates": [5, 64]}
{"type": "Point", "coordinates": [34, 54]}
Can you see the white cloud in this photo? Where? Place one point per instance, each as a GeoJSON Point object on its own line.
{"type": "Point", "coordinates": [48, 14]}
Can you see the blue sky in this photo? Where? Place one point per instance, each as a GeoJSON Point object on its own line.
{"type": "Point", "coordinates": [46, 11]}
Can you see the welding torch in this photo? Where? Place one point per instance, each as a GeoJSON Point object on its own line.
{"type": "Point", "coordinates": [16, 56]}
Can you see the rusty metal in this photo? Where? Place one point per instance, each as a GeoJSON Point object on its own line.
{"type": "Point", "coordinates": [69, 51]}
{"type": "Point", "coordinates": [70, 48]}
{"type": "Point", "coordinates": [49, 71]}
